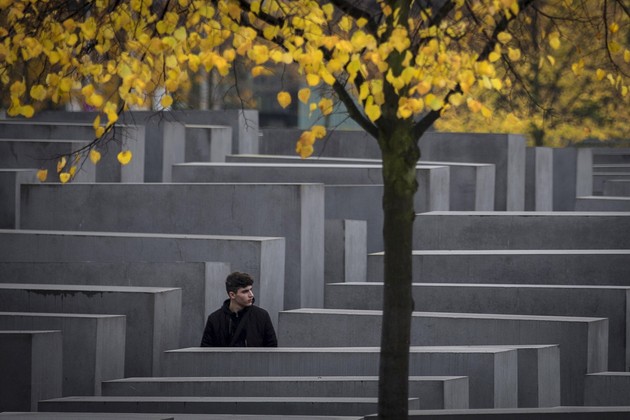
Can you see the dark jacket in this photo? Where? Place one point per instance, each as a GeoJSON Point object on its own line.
{"type": "Point", "coordinates": [222, 324]}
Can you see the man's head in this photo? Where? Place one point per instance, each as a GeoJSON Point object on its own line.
{"type": "Point", "coordinates": [239, 289]}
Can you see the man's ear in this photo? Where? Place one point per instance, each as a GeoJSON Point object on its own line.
{"type": "Point", "coordinates": [231, 295]}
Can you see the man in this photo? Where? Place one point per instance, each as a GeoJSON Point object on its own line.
{"type": "Point", "coordinates": [238, 323]}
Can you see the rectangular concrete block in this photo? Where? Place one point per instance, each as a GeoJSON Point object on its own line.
{"type": "Point", "coordinates": [292, 211]}
{"type": "Point", "coordinates": [564, 178]}
{"type": "Point", "coordinates": [471, 184]}
{"type": "Point", "coordinates": [30, 153]}
{"type": "Point", "coordinates": [152, 314]}
{"type": "Point", "coordinates": [278, 406]}
{"type": "Point", "coordinates": [599, 203]}
{"type": "Point", "coordinates": [583, 340]}
{"type": "Point", "coordinates": [610, 155]}
{"type": "Point", "coordinates": [262, 257]}
{"type": "Point", "coordinates": [601, 178]}
{"type": "Point", "coordinates": [30, 368]}
{"type": "Point", "coordinates": [584, 172]}
{"type": "Point", "coordinates": [10, 184]}
{"type": "Point", "coordinates": [609, 302]}
{"type": "Point", "coordinates": [505, 151]}
{"type": "Point", "coordinates": [548, 413]}
{"type": "Point", "coordinates": [432, 392]}
{"type": "Point", "coordinates": [202, 283]}
{"type": "Point", "coordinates": [93, 346]}
{"type": "Point", "coordinates": [539, 179]}
{"type": "Point", "coordinates": [607, 388]}
{"type": "Point", "coordinates": [433, 181]}
{"type": "Point", "coordinates": [578, 266]}
{"type": "Point", "coordinates": [492, 371]}
{"type": "Point", "coordinates": [521, 230]}
{"type": "Point", "coordinates": [345, 250]}
{"type": "Point", "coordinates": [617, 187]}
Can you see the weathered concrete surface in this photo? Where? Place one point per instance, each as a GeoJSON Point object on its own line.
{"type": "Point", "coordinates": [31, 365]}
{"type": "Point", "coordinates": [609, 302]}
{"type": "Point", "coordinates": [599, 203]}
{"type": "Point", "coordinates": [539, 179]}
{"type": "Point", "coordinates": [583, 340]}
{"type": "Point", "coordinates": [521, 230]}
{"type": "Point", "coordinates": [235, 405]}
{"type": "Point", "coordinates": [10, 184]}
{"type": "Point", "coordinates": [202, 283]}
{"type": "Point", "coordinates": [551, 413]}
{"type": "Point", "coordinates": [492, 371]}
{"type": "Point", "coordinates": [471, 184]}
{"type": "Point", "coordinates": [617, 187]}
{"type": "Point", "coordinates": [564, 266]}
{"type": "Point", "coordinates": [607, 388]}
{"type": "Point", "coordinates": [262, 257]}
{"type": "Point", "coordinates": [152, 314]}
{"type": "Point", "coordinates": [93, 346]}
{"type": "Point", "coordinates": [345, 250]}
{"type": "Point", "coordinates": [292, 211]}
{"type": "Point", "coordinates": [433, 392]}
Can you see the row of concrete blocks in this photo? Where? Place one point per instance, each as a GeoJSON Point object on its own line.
{"type": "Point", "coordinates": [156, 141]}
{"type": "Point", "coordinates": [297, 213]}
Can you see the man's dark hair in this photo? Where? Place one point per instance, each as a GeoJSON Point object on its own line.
{"type": "Point", "coordinates": [237, 280]}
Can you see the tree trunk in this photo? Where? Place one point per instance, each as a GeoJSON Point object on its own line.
{"type": "Point", "coordinates": [400, 154]}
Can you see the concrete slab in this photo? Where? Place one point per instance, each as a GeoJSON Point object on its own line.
{"type": "Point", "coordinates": [539, 179]}
{"type": "Point", "coordinates": [234, 405]}
{"type": "Point", "coordinates": [492, 371]}
{"type": "Point", "coordinates": [565, 266]}
{"type": "Point", "coordinates": [202, 283]}
{"type": "Point", "coordinates": [583, 340]}
{"type": "Point", "coordinates": [610, 155]}
{"type": "Point", "coordinates": [564, 178]}
{"type": "Point", "coordinates": [433, 181]}
{"type": "Point", "coordinates": [552, 413]}
{"type": "Point", "coordinates": [617, 187]}
{"type": "Point", "coordinates": [262, 257]}
{"type": "Point", "coordinates": [31, 367]}
{"type": "Point", "coordinates": [601, 178]}
{"type": "Point", "coordinates": [433, 392]}
{"type": "Point", "coordinates": [607, 388]}
{"type": "Point", "coordinates": [345, 250]}
{"type": "Point", "coordinates": [598, 203]}
{"type": "Point", "coordinates": [43, 154]}
{"type": "Point", "coordinates": [521, 230]}
{"type": "Point", "coordinates": [609, 302]}
{"type": "Point", "coordinates": [171, 416]}
{"type": "Point", "coordinates": [127, 137]}
{"type": "Point", "coordinates": [153, 314]}
{"type": "Point", "coordinates": [292, 211]}
{"type": "Point", "coordinates": [471, 184]}
{"type": "Point", "coordinates": [93, 346]}
{"type": "Point", "coordinates": [10, 183]}
{"type": "Point", "coordinates": [505, 151]}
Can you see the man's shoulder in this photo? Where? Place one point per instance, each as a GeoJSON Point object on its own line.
{"type": "Point", "coordinates": [258, 311]}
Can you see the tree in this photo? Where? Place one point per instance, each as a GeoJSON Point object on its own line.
{"type": "Point", "coordinates": [396, 65]}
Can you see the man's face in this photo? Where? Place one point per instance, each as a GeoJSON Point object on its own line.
{"type": "Point", "coordinates": [243, 297]}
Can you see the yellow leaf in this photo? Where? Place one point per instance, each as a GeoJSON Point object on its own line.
{"type": "Point", "coordinates": [554, 40]}
{"type": "Point", "coordinates": [99, 131]}
{"type": "Point", "coordinates": [95, 156]}
{"type": "Point", "coordinates": [600, 74]}
{"type": "Point", "coordinates": [504, 37]}
{"type": "Point", "coordinates": [284, 99]}
{"type": "Point", "coordinates": [325, 106]}
{"type": "Point", "coordinates": [312, 79]}
{"type": "Point", "coordinates": [42, 174]}
{"type": "Point", "coordinates": [514, 54]}
{"type": "Point", "coordinates": [319, 131]}
{"type": "Point", "coordinates": [626, 56]}
{"type": "Point", "coordinates": [180, 34]}
{"type": "Point", "coordinates": [73, 170]}
{"type": "Point", "coordinates": [64, 177]}
{"type": "Point", "coordinates": [434, 102]}
{"type": "Point", "coordinates": [304, 94]}
{"type": "Point", "coordinates": [613, 27]}
{"type": "Point", "coordinates": [486, 112]}
{"type": "Point", "coordinates": [61, 164]}
{"type": "Point", "coordinates": [372, 110]}
{"type": "Point", "coordinates": [38, 92]}
{"type": "Point", "coordinates": [124, 157]}
{"type": "Point", "coordinates": [166, 101]}
{"type": "Point", "coordinates": [27, 111]}
{"type": "Point", "coordinates": [304, 150]}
